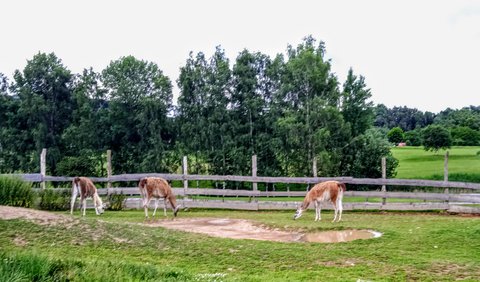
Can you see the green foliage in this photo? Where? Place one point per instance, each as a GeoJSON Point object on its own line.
{"type": "Point", "coordinates": [45, 107]}
{"type": "Point", "coordinates": [140, 99]}
{"type": "Point", "coordinates": [413, 138]}
{"type": "Point", "coordinates": [365, 154]}
{"type": "Point", "coordinates": [465, 136]}
{"type": "Point", "coordinates": [436, 137]}
{"type": "Point", "coordinates": [15, 192]}
{"type": "Point", "coordinates": [72, 166]}
{"type": "Point", "coordinates": [116, 201]}
{"type": "Point", "coordinates": [395, 135]}
{"type": "Point", "coordinates": [54, 199]}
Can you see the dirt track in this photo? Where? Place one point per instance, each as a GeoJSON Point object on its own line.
{"type": "Point", "coordinates": [217, 227]}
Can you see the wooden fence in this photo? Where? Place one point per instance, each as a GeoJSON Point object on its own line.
{"type": "Point", "coordinates": [255, 199]}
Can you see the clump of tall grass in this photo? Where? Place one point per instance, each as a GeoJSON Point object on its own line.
{"type": "Point", "coordinates": [116, 201]}
{"type": "Point", "coordinates": [54, 199]}
{"type": "Point", "coordinates": [34, 267]}
{"type": "Point", "coordinates": [16, 192]}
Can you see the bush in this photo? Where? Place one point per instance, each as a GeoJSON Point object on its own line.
{"type": "Point", "coordinates": [15, 192]}
{"type": "Point", "coordinates": [116, 201]}
{"type": "Point", "coordinates": [54, 199]}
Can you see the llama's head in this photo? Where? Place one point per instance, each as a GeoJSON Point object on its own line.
{"type": "Point", "coordinates": [298, 213]}
{"type": "Point", "coordinates": [175, 211]}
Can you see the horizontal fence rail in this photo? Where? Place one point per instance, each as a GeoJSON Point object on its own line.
{"type": "Point", "coordinates": [262, 179]}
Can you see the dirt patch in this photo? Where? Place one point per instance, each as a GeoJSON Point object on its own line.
{"type": "Point", "coordinates": [36, 216]}
{"type": "Point", "coordinates": [245, 229]}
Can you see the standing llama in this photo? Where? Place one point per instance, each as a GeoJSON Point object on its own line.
{"type": "Point", "coordinates": [84, 187]}
{"type": "Point", "coordinates": [156, 187]}
{"type": "Point", "coordinates": [328, 191]}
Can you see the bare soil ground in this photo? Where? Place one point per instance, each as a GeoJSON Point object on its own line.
{"type": "Point", "coordinates": [245, 229]}
{"type": "Point", "coordinates": [36, 216]}
{"type": "Point", "coordinates": [217, 227]}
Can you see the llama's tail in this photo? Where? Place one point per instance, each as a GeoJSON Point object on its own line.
{"type": "Point", "coordinates": [342, 186]}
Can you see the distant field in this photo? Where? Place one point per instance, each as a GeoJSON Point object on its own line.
{"type": "Point", "coordinates": [416, 163]}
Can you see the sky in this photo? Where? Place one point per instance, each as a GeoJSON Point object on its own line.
{"type": "Point", "coordinates": [423, 54]}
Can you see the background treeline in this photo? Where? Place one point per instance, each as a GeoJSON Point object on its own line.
{"type": "Point", "coordinates": [433, 131]}
{"type": "Point", "coordinates": [288, 110]}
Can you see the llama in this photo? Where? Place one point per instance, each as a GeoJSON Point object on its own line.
{"type": "Point", "coordinates": [84, 187]}
{"type": "Point", "coordinates": [323, 192]}
{"type": "Point", "coordinates": [156, 187]}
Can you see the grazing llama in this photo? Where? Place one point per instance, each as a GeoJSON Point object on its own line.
{"type": "Point", "coordinates": [84, 187]}
{"type": "Point", "coordinates": [156, 187]}
{"type": "Point", "coordinates": [328, 191]}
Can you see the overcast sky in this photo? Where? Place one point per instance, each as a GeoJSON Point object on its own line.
{"type": "Point", "coordinates": [420, 54]}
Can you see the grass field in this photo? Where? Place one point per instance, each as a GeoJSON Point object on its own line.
{"type": "Point", "coordinates": [416, 163]}
{"type": "Point", "coordinates": [414, 247]}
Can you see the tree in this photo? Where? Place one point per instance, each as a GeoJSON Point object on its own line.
{"type": "Point", "coordinates": [413, 137]}
{"type": "Point", "coordinates": [44, 89]}
{"type": "Point", "coordinates": [85, 149]}
{"type": "Point", "coordinates": [396, 135]}
{"type": "Point", "coordinates": [366, 152]}
{"type": "Point", "coordinates": [356, 110]}
{"type": "Point", "coordinates": [140, 98]}
{"type": "Point", "coordinates": [306, 80]}
{"type": "Point", "coordinates": [436, 137]}
{"type": "Point", "coordinates": [465, 136]}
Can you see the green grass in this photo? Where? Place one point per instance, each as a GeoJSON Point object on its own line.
{"type": "Point", "coordinates": [416, 163]}
{"type": "Point", "coordinates": [414, 247]}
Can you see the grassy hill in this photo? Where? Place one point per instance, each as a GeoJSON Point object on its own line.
{"type": "Point", "coordinates": [416, 163]}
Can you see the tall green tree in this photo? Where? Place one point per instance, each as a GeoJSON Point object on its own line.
{"type": "Point", "coordinates": [356, 109]}
{"type": "Point", "coordinates": [8, 108]}
{"type": "Point", "coordinates": [250, 102]}
{"type": "Point", "coordinates": [44, 89]}
{"type": "Point", "coordinates": [307, 87]}
{"type": "Point", "coordinates": [436, 137]}
{"type": "Point", "coordinates": [140, 98]}
{"type": "Point", "coordinates": [86, 138]}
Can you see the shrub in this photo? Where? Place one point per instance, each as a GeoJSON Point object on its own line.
{"type": "Point", "coordinates": [54, 199]}
{"type": "Point", "coordinates": [116, 201]}
{"type": "Point", "coordinates": [15, 192]}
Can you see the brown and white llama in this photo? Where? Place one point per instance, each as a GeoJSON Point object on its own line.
{"type": "Point", "coordinates": [84, 187]}
{"type": "Point", "coordinates": [328, 191]}
{"type": "Point", "coordinates": [156, 187]}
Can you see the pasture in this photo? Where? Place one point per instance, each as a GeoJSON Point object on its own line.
{"type": "Point", "coordinates": [119, 246]}
{"type": "Point", "coordinates": [416, 163]}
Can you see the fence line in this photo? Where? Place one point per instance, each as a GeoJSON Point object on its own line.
{"type": "Point", "coordinates": [262, 179]}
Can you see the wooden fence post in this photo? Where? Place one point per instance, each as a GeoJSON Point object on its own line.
{"type": "Point", "coordinates": [445, 171]}
{"type": "Point", "coordinates": [109, 168]}
{"type": "Point", "coordinates": [43, 166]}
{"type": "Point", "coordinates": [384, 176]}
{"type": "Point", "coordinates": [254, 172]}
{"type": "Point", "coordinates": [185, 181]}
{"type": "Point", "coordinates": [314, 167]}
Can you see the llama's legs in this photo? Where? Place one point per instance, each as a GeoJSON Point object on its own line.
{"type": "Point", "coordinates": [164, 206]}
{"type": "Point", "coordinates": [340, 209]}
{"type": "Point", "coordinates": [84, 205]}
{"type": "Point", "coordinates": [318, 210]}
{"type": "Point", "coordinates": [74, 198]}
{"type": "Point", "coordinates": [336, 211]}
{"type": "Point", "coordinates": [146, 201]}
{"type": "Point", "coordinates": [156, 206]}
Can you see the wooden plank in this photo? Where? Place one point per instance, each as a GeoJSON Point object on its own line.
{"type": "Point", "coordinates": [287, 180]}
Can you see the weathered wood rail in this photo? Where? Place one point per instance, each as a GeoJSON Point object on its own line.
{"type": "Point", "coordinates": [222, 198]}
